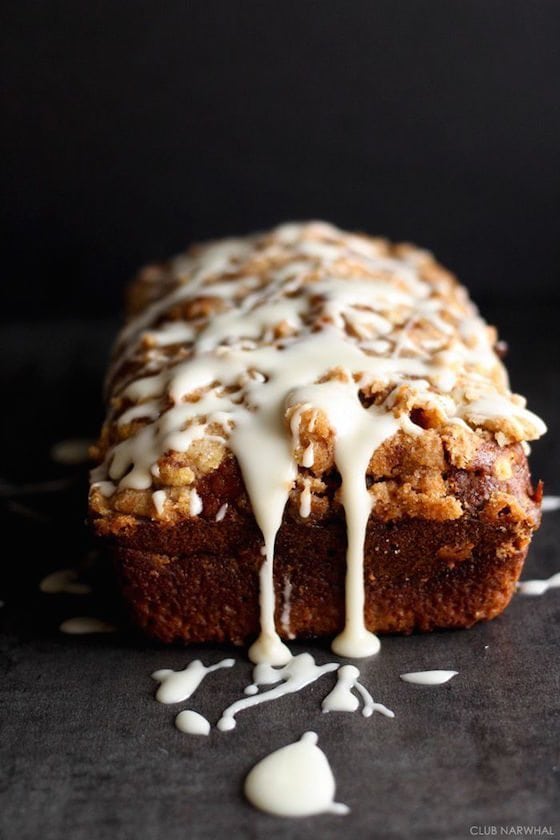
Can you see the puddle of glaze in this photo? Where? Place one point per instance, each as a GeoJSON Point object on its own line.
{"type": "Point", "coordinates": [428, 677]}
{"type": "Point", "coordinates": [294, 781]}
{"type": "Point", "coordinates": [192, 723]}
{"type": "Point", "coordinates": [82, 625]}
{"type": "Point", "coordinates": [176, 686]}
{"type": "Point", "coordinates": [342, 698]}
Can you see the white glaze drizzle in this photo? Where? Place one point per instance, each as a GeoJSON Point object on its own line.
{"type": "Point", "coordinates": [308, 457]}
{"type": "Point", "coordinates": [72, 451]}
{"type": "Point", "coordinates": [341, 698]}
{"type": "Point", "coordinates": [176, 686]}
{"type": "Point", "coordinates": [159, 499]}
{"type": "Point", "coordinates": [299, 672]}
{"type": "Point", "coordinates": [294, 781]}
{"type": "Point", "coordinates": [286, 608]}
{"type": "Point", "coordinates": [106, 488]}
{"type": "Point", "coordinates": [64, 581]}
{"type": "Point", "coordinates": [305, 499]}
{"type": "Point", "coordinates": [428, 677]}
{"type": "Point", "coordinates": [195, 503]}
{"type": "Point", "coordinates": [83, 625]}
{"type": "Point", "coordinates": [221, 512]}
{"type": "Point", "coordinates": [192, 723]}
{"type": "Point", "coordinates": [260, 375]}
{"type": "Point", "coordinates": [550, 503]}
{"type": "Point", "coordinates": [358, 432]}
{"type": "Point", "coordinates": [538, 587]}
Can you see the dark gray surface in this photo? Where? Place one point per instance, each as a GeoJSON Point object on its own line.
{"type": "Point", "coordinates": [87, 753]}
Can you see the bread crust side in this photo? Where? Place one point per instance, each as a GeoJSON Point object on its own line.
{"type": "Point", "coordinates": [196, 580]}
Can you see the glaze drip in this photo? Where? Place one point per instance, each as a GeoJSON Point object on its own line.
{"type": "Point", "coordinates": [294, 781]}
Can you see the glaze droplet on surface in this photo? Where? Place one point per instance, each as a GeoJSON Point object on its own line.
{"type": "Point", "coordinates": [221, 512]}
{"type": "Point", "coordinates": [82, 625]}
{"type": "Point", "coordinates": [299, 672]}
{"type": "Point", "coordinates": [294, 781]}
{"type": "Point", "coordinates": [176, 686]}
{"type": "Point", "coordinates": [71, 452]}
{"type": "Point", "coordinates": [550, 503]}
{"type": "Point", "coordinates": [538, 587]}
{"type": "Point", "coordinates": [64, 581]}
{"type": "Point", "coordinates": [341, 698]}
{"type": "Point", "coordinates": [192, 723]}
{"type": "Point", "coordinates": [428, 677]}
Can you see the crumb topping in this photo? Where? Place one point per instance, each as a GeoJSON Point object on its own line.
{"type": "Point", "coordinates": [287, 325]}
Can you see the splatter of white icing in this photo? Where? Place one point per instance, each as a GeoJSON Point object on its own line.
{"type": "Point", "coordinates": [195, 503]}
{"type": "Point", "coordinates": [72, 451]}
{"type": "Point", "coordinates": [82, 625]}
{"type": "Point", "coordinates": [305, 499]}
{"type": "Point", "coordinates": [341, 698]}
{"type": "Point", "coordinates": [106, 488]}
{"type": "Point", "coordinates": [550, 503]}
{"type": "Point", "coordinates": [176, 686]}
{"type": "Point", "coordinates": [299, 672]}
{"type": "Point", "coordinates": [294, 781]}
{"type": "Point", "coordinates": [538, 587]}
{"type": "Point", "coordinates": [428, 677]}
{"type": "Point", "coordinates": [221, 512]}
{"type": "Point", "coordinates": [159, 499]}
{"type": "Point", "coordinates": [192, 723]}
{"type": "Point", "coordinates": [64, 581]}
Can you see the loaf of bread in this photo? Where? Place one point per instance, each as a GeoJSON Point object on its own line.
{"type": "Point", "coordinates": [310, 433]}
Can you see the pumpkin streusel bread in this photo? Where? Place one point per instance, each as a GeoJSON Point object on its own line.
{"type": "Point", "coordinates": [310, 433]}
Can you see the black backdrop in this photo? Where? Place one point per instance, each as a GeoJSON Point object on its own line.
{"type": "Point", "coordinates": [132, 126]}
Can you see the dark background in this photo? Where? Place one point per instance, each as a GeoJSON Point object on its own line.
{"type": "Point", "coordinates": [132, 127]}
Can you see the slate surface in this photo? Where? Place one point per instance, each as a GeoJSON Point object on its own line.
{"type": "Point", "coordinates": [87, 753]}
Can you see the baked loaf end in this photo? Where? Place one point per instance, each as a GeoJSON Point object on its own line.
{"type": "Point", "coordinates": [310, 432]}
